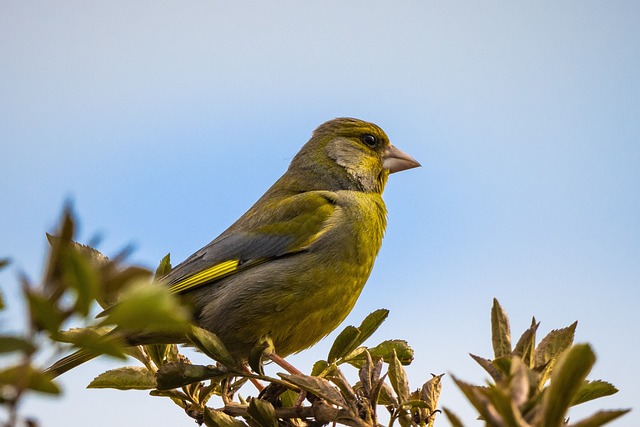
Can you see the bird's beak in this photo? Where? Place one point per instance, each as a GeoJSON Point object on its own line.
{"type": "Point", "coordinates": [395, 160]}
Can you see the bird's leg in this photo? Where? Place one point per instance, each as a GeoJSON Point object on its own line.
{"type": "Point", "coordinates": [254, 381]}
{"type": "Point", "coordinates": [292, 370]}
{"type": "Point", "coordinates": [283, 364]}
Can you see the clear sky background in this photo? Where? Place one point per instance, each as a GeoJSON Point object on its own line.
{"type": "Point", "coordinates": [164, 121]}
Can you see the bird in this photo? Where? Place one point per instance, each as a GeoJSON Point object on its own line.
{"type": "Point", "coordinates": [292, 267]}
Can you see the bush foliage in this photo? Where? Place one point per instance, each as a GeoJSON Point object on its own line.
{"type": "Point", "coordinates": [532, 384]}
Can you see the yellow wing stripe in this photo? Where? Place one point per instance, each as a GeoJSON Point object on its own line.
{"type": "Point", "coordinates": [210, 274]}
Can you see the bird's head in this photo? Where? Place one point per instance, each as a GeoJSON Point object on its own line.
{"type": "Point", "coordinates": [348, 153]}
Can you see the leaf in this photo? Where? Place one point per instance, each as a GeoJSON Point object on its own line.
{"type": "Point", "coordinates": [453, 418]}
{"type": "Point", "coordinates": [213, 418]}
{"type": "Point", "coordinates": [97, 341]}
{"type": "Point", "coordinates": [590, 390]}
{"type": "Point", "coordinates": [44, 315]}
{"type": "Point", "coordinates": [477, 397]}
{"type": "Point", "coordinates": [174, 375]}
{"type": "Point", "coordinates": [212, 346]}
{"type": "Point", "coordinates": [500, 331]}
{"type": "Point", "coordinates": [343, 343]}
{"type": "Point", "coordinates": [554, 344]}
{"type": "Point", "coordinates": [148, 308]}
{"type": "Point", "coordinates": [398, 379]}
{"type": "Point", "coordinates": [28, 378]}
{"type": "Point", "coordinates": [78, 274]}
{"type": "Point", "coordinates": [351, 337]}
{"type": "Point", "coordinates": [525, 347]}
{"type": "Point", "coordinates": [519, 382]}
{"type": "Point", "coordinates": [600, 418]}
{"type": "Point", "coordinates": [566, 379]}
{"type": "Point", "coordinates": [125, 378]}
{"type": "Point", "coordinates": [430, 392]}
{"type": "Point", "coordinates": [317, 386]}
{"type": "Point", "coordinates": [4, 262]}
{"type": "Point", "coordinates": [164, 267]}
{"type": "Point", "coordinates": [384, 351]}
{"type": "Point", "coordinates": [488, 366]}
{"type": "Point", "coordinates": [319, 367]}
{"type": "Point", "coordinates": [371, 323]}
{"type": "Point", "coordinates": [9, 344]}
{"type": "Point", "coordinates": [263, 413]}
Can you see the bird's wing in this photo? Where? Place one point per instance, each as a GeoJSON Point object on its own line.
{"type": "Point", "coordinates": [284, 227]}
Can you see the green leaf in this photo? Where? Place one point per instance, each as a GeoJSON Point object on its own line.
{"type": "Point", "coordinates": [263, 413]}
{"type": "Point", "coordinates": [125, 378]}
{"type": "Point", "coordinates": [344, 343]}
{"type": "Point", "coordinates": [212, 346]}
{"type": "Point", "coordinates": [319, 367]}
{"type": "Point", "coordinates": [566, 379]}
{"type": "Point", "coordinates": [44, 315]}
{"type": "Point", "coordinates": [317, 386]}
{"type": "Point", "coordinates": [500, 331]}
{"type": "Point", "coordinates": [351, 337]}
{"type": "Point", "coordinates": [371, 323]}
{"type": "Point", "coordinates": [97, 341]}
{"type": "Point", "coordinates": [28, 378]}
{"type": "Point", "coordinates": [149, 308]}
{"type": "Point", "coordinates": [554, 344]}
{"type": "Point", "coordinates": [213, 418]}
{"type": "Point", "coordinates": [165, 266]}
{"type": "Point", "coordinates": [398, 379]}
{"type": "Point", "coordinates": [384, 351]}
{"type": "Point", "coordinates": [80, 275]}
{"type": "Point", "coordinates": [590, 390]}
{"type": "Point", "coordinates": [174, 375]}
{"type": "Point", "coordinates": [9, 344]}
{"type": "Point", "coordinates": [600, 418]}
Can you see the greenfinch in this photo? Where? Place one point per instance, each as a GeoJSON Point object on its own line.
{"type": "Point", "coordinates": [292, 267]}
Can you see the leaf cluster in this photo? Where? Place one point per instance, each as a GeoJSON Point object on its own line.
{"type": "Point", "coordinates": [535, 385]}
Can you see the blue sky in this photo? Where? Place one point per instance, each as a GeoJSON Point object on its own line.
{"type": "Point", "coordinates": [164, 121]}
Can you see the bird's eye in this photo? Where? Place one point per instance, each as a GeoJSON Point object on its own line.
{"type": "Point", "coordinates": [370, 140]}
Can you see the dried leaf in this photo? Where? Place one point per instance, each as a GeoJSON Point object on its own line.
{"type": "Point", "coordinates": [317, 386]}
{"type": "Point", "coordinates": [398, 379]}
{"type": "Point", "coordinates": [488, 366]}
{"type": "Point", "coordinates": [500, 331]}
{"type": "Point", "coordinates": [554, 344]}
{"type": "Point", "coordinates": [525, 347]}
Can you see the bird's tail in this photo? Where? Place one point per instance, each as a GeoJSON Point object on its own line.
{"type": "Point", "coordinates": [71, 361]}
